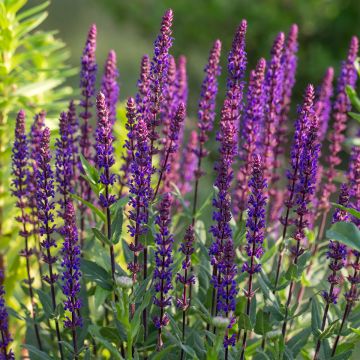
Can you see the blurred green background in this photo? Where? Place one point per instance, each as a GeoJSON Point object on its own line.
{"type": "Point", "coordinates": [131, 26]}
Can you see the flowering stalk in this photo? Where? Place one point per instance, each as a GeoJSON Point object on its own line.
{"type": "Point", "coordinates": [187, 248]}
{"type": "Point", "coordinates": [222, 251]}
{"type": "Point", "coordinates": [87, 85]}
{"type": "Point", "coordinates": [163, 261]}
{"type": "Point", "coordinates": [109, 85]}
{"type": "Point", "coordinates": [73, 139]}
{"type": "Point", "coordinates": [63, 163]}
{"type": "Point", "coordinates": [173, 145]}
{"type": "Point", "coordinates": [34, 143]}
{"type": "Point", "coordinates": [20, 173]}
{"type": "Point", "coordinates": [337, 253]}
{"type": "Point", "coordinates": [158, 76]}
{"type": "Point", "coordinates": [5, 352]}
{"type": "Point", "coordinates": [305, 113]}
{"type": "Point", "coordinates": [305, 187]}
{"type": "Point", "coordinates": [71, 274]}
{"type": "Point", "coordinates": [104, 161]}
{"type": "Point", "coordinates": [253, 116]}
{"type": "Point", "coordinates": [46, 206]}
{"type": "Point", "coordinates": [255, 225]}
{"type": "Point", "coordinates": [341, 107]}
{"type": "Point", "coordinates": [273, 89]}
{"type": "Point", "coordinates": [354, 279]}
{"type": "Point", "coordinates": [206, 112]}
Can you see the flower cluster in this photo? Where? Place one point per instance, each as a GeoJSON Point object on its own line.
{"type": "Point", "coordinates": [109, 85]}
{"type": "Point", "coordinates": [104, 150]}
{"type": "Point", "coordinates": [255, 222]}
{"type": "Point", "coordinates": [63, 161]}
{"type": "Point", "coordinates": [71, 264]}
{"type": "Point", "coordinates": [253, 116]}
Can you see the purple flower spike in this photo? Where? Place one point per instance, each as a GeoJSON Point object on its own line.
{"type": "Point", "coordinates": [209, 89]}
{"type": "Point", "coordinates": [273, 89]}
{"type": "Point", "coordinates": [289, 64]}
{"type": "Point", "coordinates": [5, 352]}
{"type": "Point", "coordinates": [354, 180]}
{"type": "Point", "coordinates": [104, 150]}
{"type": "Point", "coordinates": [46, 204]}
{"type": "Point", "coordinates": [74, 139]}
{"type": "Point", "coordinates": [255, 222]}
{"type": "Point", "coordinates": [181, 80]}
{"type": "Point", "coordinates": [323, 103]}
{"type": "Point", "coordinates": [71, 269]}
{"type": "Point", "coordinates": [341, 107]}
{"type": "Point", "coordinates": [142, 97]}
{"type": "Point", "coordinates": [109, 85]}
{"type": "Point", "coordinates": [158, 76]}
{"type": "Point", "coordinates": [253, 116]}
{"type": "Point", "coordinates": [140, 192]}
{"type": "Point", "coordinates": [87, 85]}
{"type": "Point", "coordinates": [163, 262]}
{"type": "Point", "coordinates": [63, 162]}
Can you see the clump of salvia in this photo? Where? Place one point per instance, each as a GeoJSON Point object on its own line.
{"type": "Point", "coordinates": [253, 281]}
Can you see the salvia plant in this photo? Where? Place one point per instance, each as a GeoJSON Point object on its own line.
{"type": "Point", "coordinates": [120, 257]}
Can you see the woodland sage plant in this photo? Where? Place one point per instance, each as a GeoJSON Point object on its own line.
{"type": "Point", "coordinates": [121, 257]}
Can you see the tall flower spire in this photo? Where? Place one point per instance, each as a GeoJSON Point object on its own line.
{"type": "Point", "coordinates": [304, 190]}
{"type": "Point", "coordinates": [341, 107]}
{"type": "Point", "coordinates": [20, 173]}
{"type": "Point", "coordinates": [163, 261]}
{"type": "Point", "coordinates": [158, 75]}
{"type": "Point", "coordinates": [109, 85]}
{"type": "Point", "coordinates": [255, 225]}
{"type": "Point", "coordinates": [46, 206]}
{"type": "Point", "coordinates": [74, 140]}
{"type": "Point", "coordinates": [71, 273]}
{"type": "Point", "coordinates": [104, 161]}
{"type": "Point", "coordinates": [305, 113]}
{"type": "Point", "coordinates": [6, 352]}
{"type": "Point", "coordinates": [273, 88]}
{"type": "Point", "coordinates": [63, 162]}
{"type": "Point", "coordinates": [253, 116]}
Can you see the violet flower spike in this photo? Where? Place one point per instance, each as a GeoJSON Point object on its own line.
{"type": "Point", "coordinates": [341, 107]}
{"type": "Point", "coordinates": [163, 265]}
{"type": "Point", "coordinates": [46, 207]}
{"type": "Point", "coordinates": [140, 193]}
{"type": "Point", "coordinates": [6, 352]}
{"type": "Point", "coordinates": [63, 163]}
{"type": "Point", "coordinates": [87, 86]}
{"type": "Point", "coordinates": [20, 190]}
{"type": "Point", "coordinates": [104, 161]}
{"type": "Point", "coordinates": [273, 89]}
{"type": "Point", "coordinates": [323, 102]}
{"type": "Point", "coordinates": [73, 121]}
{"type": "Point", "coordinates": [109, 85]}
{"type": "Point", "coordinates": [337, 253]}
{"type": "Point", "coordinates": [143, 84]}
{"type": "Point", "coordinates": [158, 75]}
{"type": "Point", "coordinates": [253, 116]}
{"type": "Point", "coordinates": [222, 253]}
{"type": "Point", "coordinates": [255, 225]}
{"type": "Point", "coordinates": [304, 190]}
{"type": "Point", "coordinates": [71, 276]}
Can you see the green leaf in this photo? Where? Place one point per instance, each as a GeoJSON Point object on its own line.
{"type": "Point", "coordinates": [351, 211]}
{"type": "Point", "coordinates": [298, 341]}
{"type": "Point", "coordinates": [292, 272]}
{"type": "Point", "coordinates": [92, 207]}
{"type": "Point", "coordinates": [117, 224]}
{"type": "Point", "coordinates": [346, 233]}
{"type": "Point", "coordinates": [36, 352]}
{"type": "Point", "coordinates": [351, 93]}
{"type": "Point", "coordinates": [96, 273]}
{"type": "Point", "coordinates": [244, 322]}
{"type": "Point", "coordinates": [315, 316]}
{"type": "Point", "coordinates": [99, 235]}
{"type": "Point", "coordinates": [330, 330]}
{"type": "Point", "coordinates": [46, 303]}
{"type": "Point", "coordinates": [262, 323]}
{"type": "Point", "coordinates": [355, 116]}
{"type": "Point", "coordinates": [136, 320]}
{"type": "Point", "coordinates": [200, 231]}
{"type": "Point", "coordinates": [90, 171]}
{"type": "Point", "coordinates": [32, 11]}
{"type": "Point", "coordinates": [35, 89]}
{"type": "Point", "coordinates": [94, 331]}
